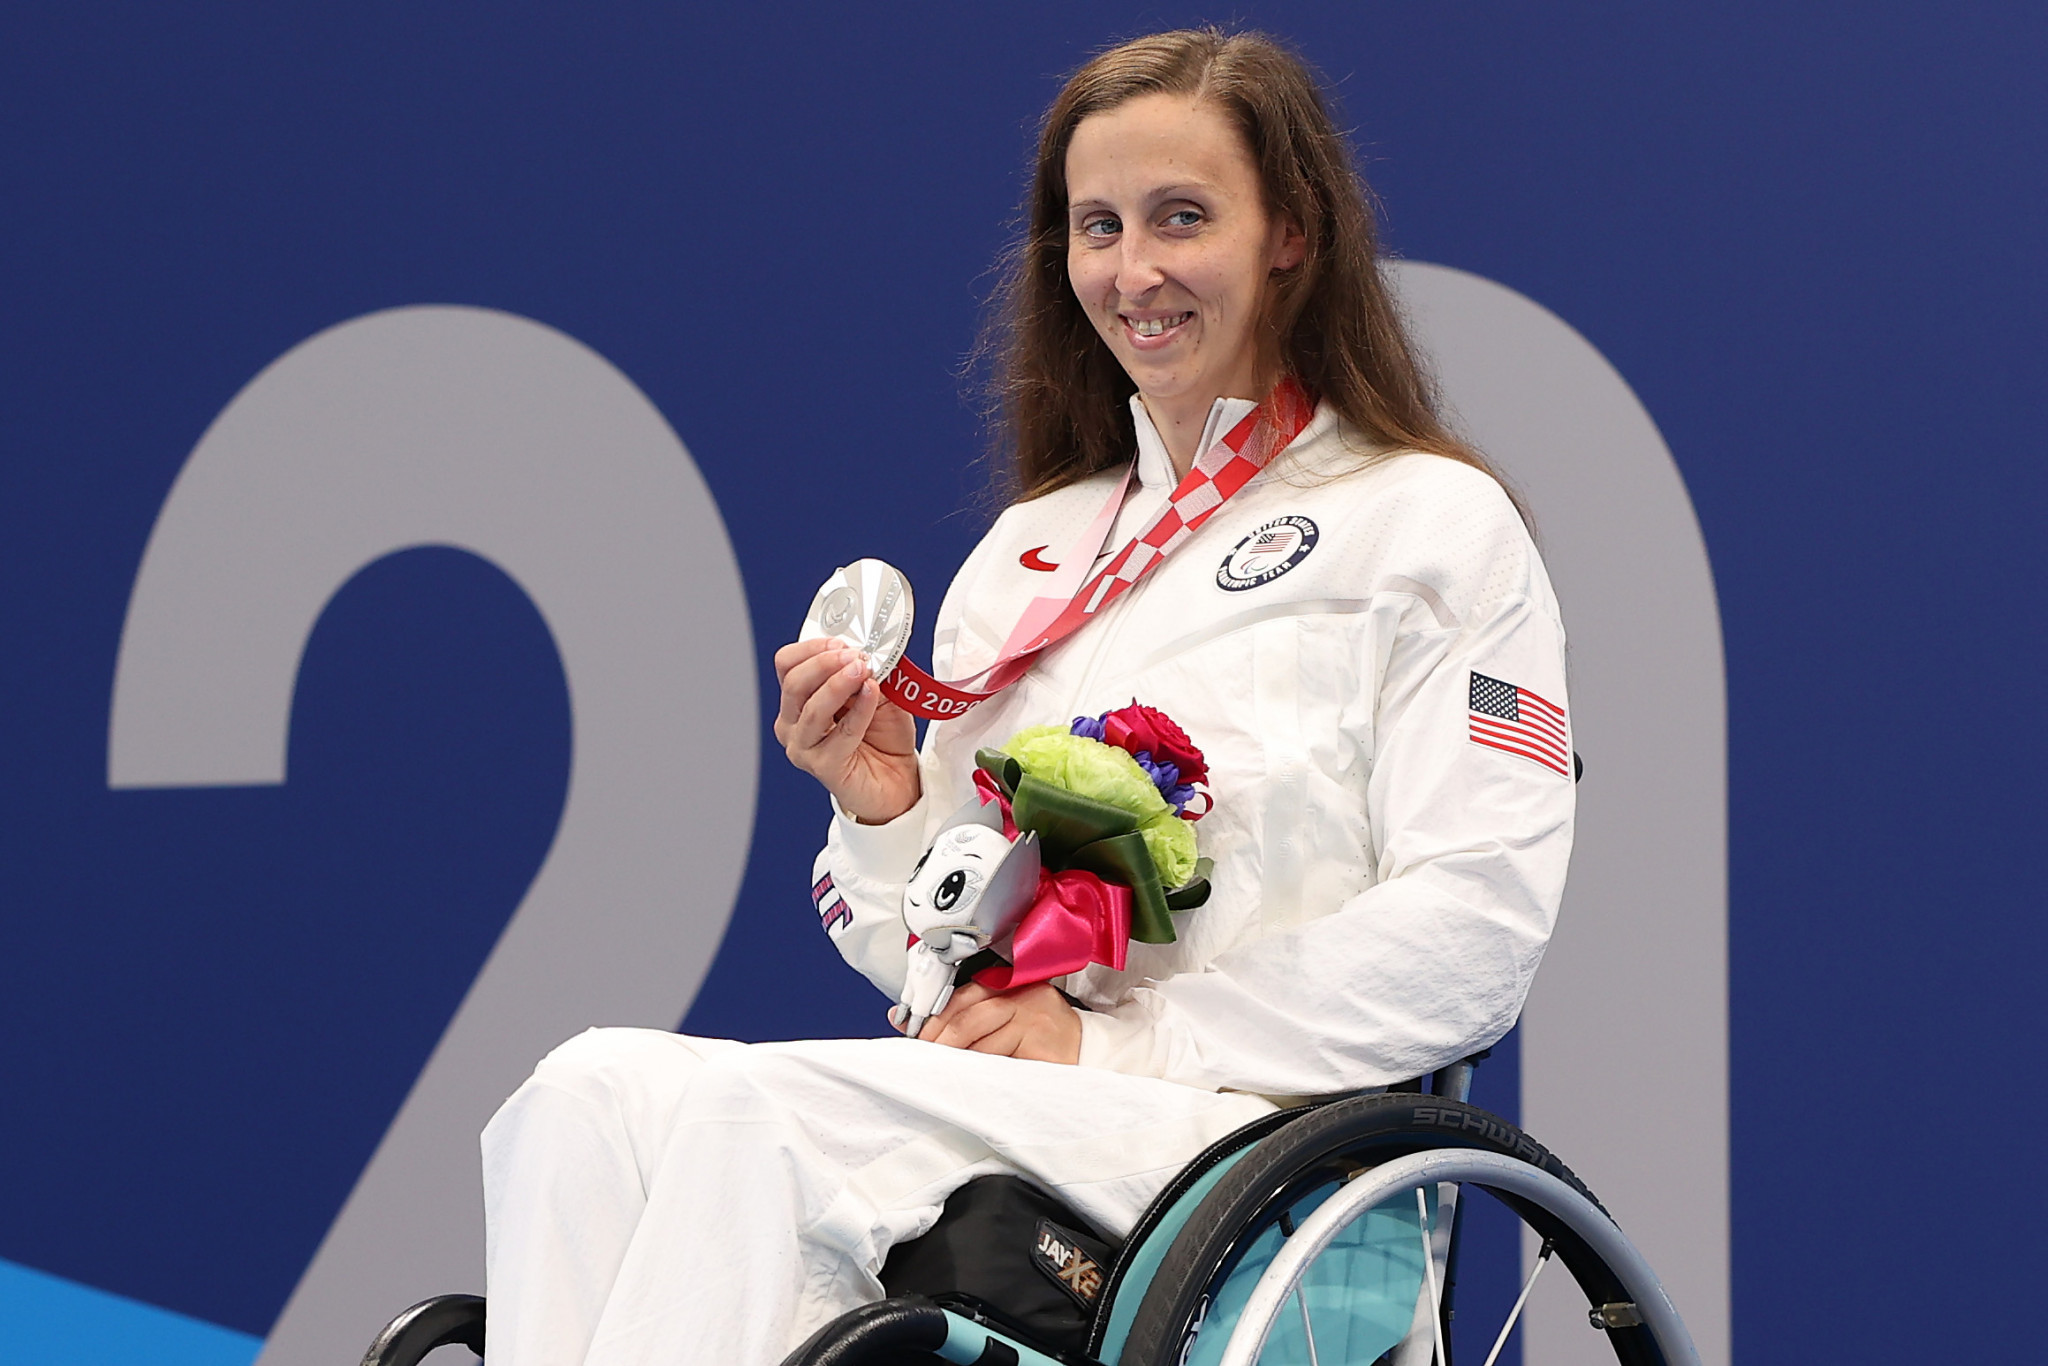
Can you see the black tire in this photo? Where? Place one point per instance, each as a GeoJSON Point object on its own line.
{"type": "Point", "coordinates": [1333, 1141]}
{"type": "Point", "coordinates": [443, 1321]}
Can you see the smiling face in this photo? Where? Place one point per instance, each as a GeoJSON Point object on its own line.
{"type": "Point", "coordinates": [1169, 250]}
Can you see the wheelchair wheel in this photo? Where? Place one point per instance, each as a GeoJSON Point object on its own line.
{"type": "Point", "coordinates": [443, 1321]}
{"type": "Point", "coordinates": [1375, 1148]}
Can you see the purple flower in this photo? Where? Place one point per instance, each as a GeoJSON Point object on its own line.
{"type": "Point", "coordinates": [1165, 777]}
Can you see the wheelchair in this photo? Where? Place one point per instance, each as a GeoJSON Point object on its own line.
{"type": "Point", "coordinates": [1323, 1234]}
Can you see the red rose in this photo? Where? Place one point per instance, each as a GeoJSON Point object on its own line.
{"type": "Point", "coordinates": [1140, 728]}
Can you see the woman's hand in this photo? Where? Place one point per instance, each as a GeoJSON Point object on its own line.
{"type": "Point", "coordinates": [835, 726]}
{"type": "Point", "coordinates": [1024, 1022]}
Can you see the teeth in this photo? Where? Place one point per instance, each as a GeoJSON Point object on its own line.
{"type": "Point", "coordinates": [1152, 327]}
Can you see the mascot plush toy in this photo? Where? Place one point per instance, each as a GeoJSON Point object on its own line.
{"type": "Point", "coordinates": [968, 892]}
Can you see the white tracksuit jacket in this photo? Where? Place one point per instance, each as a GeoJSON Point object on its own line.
{"type": "Point", "coordinates": [1384, 886]}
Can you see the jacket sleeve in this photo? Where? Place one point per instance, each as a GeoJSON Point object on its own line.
{"type": "Point", "coordinates": [857, 879]}
{"type": "Point", "coordinates": [1431, 962]}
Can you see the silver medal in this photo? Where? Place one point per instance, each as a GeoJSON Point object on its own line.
{"type": "Point", "coordinates": [867, 604]}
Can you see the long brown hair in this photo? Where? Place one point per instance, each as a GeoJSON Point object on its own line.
{"type": "Point", "coordinates": [1060, 397]}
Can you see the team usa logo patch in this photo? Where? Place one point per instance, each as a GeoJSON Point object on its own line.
{"type": "Point", "coordinates": [1267, 553]}
{"type": "Point", "coordinates": [833, 912]}
{"type": "Point", "coordinates": [1059, 1255]}
{"type": "Point", "coordinates": [1513, 719]}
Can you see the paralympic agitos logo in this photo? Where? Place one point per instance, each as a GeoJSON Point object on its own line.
{"type": "Point", "coordinates": [1266, 554]}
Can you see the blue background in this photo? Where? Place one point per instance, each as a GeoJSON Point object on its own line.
{"type": "Point", "coordinates": [1812, 241]}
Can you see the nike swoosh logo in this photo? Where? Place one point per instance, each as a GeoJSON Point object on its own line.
{"type": "Point", "coordinates": [1031, 559]}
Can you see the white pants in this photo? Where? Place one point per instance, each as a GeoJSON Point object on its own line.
{"type": "Point", "coordinates": [654, 1199]}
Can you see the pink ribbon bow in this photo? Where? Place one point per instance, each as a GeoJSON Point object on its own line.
{"type": "Point", "coordinates": [1077, 919]}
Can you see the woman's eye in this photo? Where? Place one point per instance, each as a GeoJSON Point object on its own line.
{"type": "Point", "coordinates": [1102, 227]}
{"type": "Point", "coordinates": [1184, 218]}
{"type": "Point", "coordinates": [949, 890]}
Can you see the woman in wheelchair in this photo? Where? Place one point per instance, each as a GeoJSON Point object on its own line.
{"type": "Point", "coordinates": [1359, 639]}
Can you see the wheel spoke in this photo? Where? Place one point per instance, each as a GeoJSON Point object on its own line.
{"type": "Point", "coordinates": [1542, 1260]}
{"type": "Point", "coordinates": [1308, 1329]}
{"type": "Point", "coordinates": [1436, 1306]}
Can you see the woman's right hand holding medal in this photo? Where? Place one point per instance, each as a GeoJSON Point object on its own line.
{"type": "Point", "coordinates": [836, 726]}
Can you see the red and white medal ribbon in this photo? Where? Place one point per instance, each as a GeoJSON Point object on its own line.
{"type": "Point", "coordinates": [1221, 471]}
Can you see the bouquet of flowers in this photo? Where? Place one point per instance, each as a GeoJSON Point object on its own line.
{"type": "Point", "coordinates": [1082, 840]}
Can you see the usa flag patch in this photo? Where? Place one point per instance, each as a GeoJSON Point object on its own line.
{"type": "Point", "coordinates": [1506, 717]}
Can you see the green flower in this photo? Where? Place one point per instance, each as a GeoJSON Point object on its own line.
{"type": "Point", "coordinates": [1088, 767]}
{"type": "Point", "coordinates": [1171, 843]}
{"type": "Point", "coordinates": [1108, 774]}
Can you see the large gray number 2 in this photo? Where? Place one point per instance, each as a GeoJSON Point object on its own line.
{"type": "Point", "coordinates": [492, 433]}
{"type": "Point", "coordinates": [1625, 1037]}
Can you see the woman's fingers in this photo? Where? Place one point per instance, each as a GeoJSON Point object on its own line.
{"type": "Point", "coordinates": [964, 1022]}
{"type": "Point", "coordinates": [1032, 1022]}
{"type": "Point", "coordinates": [969, 993]}
{"type": "Point", "coordinates": [851, 728]}
{"type": "Point", "coordinates": [805, 677]}
{"type": "Point", "coordinates": [892, 732]}
{"type": "Point", "coordinates": [791, 655]}
{"type": "Point", "coordinates": [811, 714]}
{"type": "Point", "coordinates": [815, 723]}
{"type": "Point", "coordinates": [1004, 1041]}
{"type": "Point", "coordinates": [965, 996]}
{"type": "Point", "coordinates": [834, 724]}
{"type": "Point", "coordinates": [936, 1026]}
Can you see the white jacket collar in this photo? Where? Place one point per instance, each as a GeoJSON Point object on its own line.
{"type": "Point", "coordinates": [1155, 466]}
